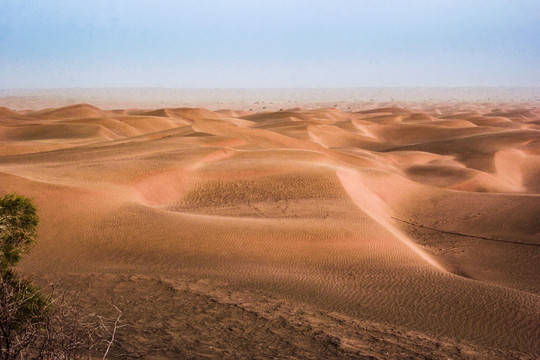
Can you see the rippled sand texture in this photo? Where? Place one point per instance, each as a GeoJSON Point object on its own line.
{"type": "Point", "coordinates": [417, 227]}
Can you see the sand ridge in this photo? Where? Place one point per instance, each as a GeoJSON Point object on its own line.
{"type": "Point", "coordinates": [381, 215]}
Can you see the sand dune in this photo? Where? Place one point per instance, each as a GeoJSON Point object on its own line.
{"type": "Point", "coordinates": [380, 232]}
{"type": "Point", "coordinates": [72, 111]}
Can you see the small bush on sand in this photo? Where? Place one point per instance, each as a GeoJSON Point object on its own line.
{"type": "Point", "coordinates": [34, 325]}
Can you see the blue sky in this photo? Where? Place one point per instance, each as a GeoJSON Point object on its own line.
{"type": "Point", "coordinates": [260, 44]}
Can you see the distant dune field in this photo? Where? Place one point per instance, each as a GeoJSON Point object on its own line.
{"type": "Point", "coordinates": [356, 232]}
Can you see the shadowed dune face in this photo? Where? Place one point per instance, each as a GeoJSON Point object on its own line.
{"type": "Point", "coordinates": [424, 220]}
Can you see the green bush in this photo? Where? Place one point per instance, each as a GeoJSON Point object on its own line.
{"type": "Point", "coordinates": [18, 222]}
{"type": "Point", "coordinates": [34, 325]}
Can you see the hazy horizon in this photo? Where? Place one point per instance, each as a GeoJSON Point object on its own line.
{"type": "Point", "coordinates": [279, 44]}
{"type": "Point", "coordinates": [264, 87]}
{"type": "Point", "coordinates": [261, 99]}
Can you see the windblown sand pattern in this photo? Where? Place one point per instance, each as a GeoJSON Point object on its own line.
{"type": "Point", "coordinates": [369, 233]}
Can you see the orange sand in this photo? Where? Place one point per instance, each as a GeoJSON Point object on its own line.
{"type": "Point", "coordinates": [351, 224]}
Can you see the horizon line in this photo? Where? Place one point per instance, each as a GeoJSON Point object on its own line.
{"type": "Point", "coordinates": [276, 88]}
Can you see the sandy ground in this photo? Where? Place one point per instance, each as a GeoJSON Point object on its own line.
{"type": "Point", "coordinates": [351, 232]}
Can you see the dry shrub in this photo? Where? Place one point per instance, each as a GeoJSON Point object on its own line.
{"type": "Point", "coordinates": [34, 325]}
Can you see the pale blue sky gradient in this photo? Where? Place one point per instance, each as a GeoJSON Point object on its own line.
{"type": "Point", "coordinates": [261, 44]}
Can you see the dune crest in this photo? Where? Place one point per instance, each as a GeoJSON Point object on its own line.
{"type": "Point", "coordinates": [377, 209]}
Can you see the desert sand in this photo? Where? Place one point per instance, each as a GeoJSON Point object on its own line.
{"type": "Point", "coordinates": [365, 231]}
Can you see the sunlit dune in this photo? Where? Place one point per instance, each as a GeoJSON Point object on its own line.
{"type": "Point", "coordinates": [72, 111]}
{"type": "Point", "coordinates": [412, 232]}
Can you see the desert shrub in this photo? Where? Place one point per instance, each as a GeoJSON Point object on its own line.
{"type": "Point", "coordinates": [18, 222]}
{"type": "Point", "coordinates": [34, 325]}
